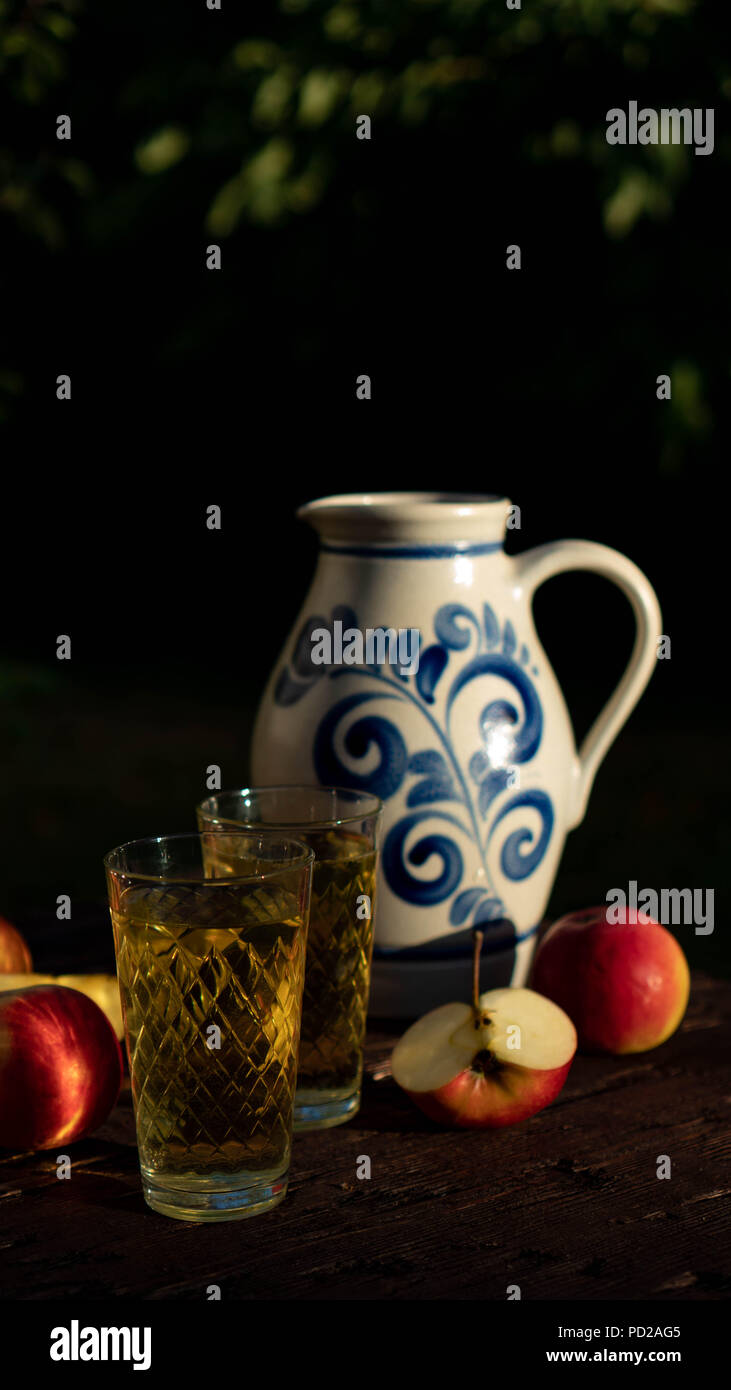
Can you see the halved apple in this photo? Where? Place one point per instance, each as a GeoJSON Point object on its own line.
{"type": "Point", "coordinates": [489, 1064]}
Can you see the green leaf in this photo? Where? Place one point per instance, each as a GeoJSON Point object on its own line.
{"type": "Point", "coordinates": [162, 150]}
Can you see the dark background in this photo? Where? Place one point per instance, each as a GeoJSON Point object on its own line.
{"type": "Point", "coordinates": [237, 387]}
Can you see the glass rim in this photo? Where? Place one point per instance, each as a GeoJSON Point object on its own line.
{"type": "Point", "coordinates": [330, 821]}
{"type": "Point", "coordinates": [301, 861]}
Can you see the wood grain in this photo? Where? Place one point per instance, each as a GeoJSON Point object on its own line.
{"type": "Point", "coordinates": [566, 1205]}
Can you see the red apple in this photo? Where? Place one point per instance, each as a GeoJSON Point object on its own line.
{"type": "Point", "coordinates": [624, 984]}
{"type": "Point", "coordinates": [14, 952]}
{"type": "Point", "coordinates": [486, 1064]}
{"type": "Point", "coordinates": [103, 989]}
{"type": "Point", "coordinates": [60, 1067]}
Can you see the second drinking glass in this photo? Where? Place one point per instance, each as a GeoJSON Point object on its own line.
{"type": "Point", "coordinates": [341, 826]}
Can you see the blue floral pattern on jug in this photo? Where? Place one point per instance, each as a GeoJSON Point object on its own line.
{"type": "Point", "coordinates": [463, 799]}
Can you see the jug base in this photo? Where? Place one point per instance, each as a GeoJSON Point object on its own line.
{"type": "Point", "coordinates": [406, 989]}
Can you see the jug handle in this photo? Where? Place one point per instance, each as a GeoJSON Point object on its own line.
{"type": "Point", "coordinates": [545, 561]}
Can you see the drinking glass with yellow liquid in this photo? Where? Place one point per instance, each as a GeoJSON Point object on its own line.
{"type": "Point", "coordinates": [341, 827]}
{"type": "Point", "coordinates": [210, 959]}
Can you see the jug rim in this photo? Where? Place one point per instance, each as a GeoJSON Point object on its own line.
{"type": "Point", "coordinates": [381, 521]}
{"type": "Point", "coordinates": [385, 518]}
{"type": "Point", "coordinates": [464, 502]}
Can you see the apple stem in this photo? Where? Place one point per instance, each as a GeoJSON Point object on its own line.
{"type": "Point", "coordinates": [478, 939]}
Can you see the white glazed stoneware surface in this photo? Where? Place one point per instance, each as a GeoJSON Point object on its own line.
{"type": "Point", "coordinates": [473, 754]}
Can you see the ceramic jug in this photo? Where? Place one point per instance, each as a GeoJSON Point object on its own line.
{"type": "Point", "coordinates": [470, 745]}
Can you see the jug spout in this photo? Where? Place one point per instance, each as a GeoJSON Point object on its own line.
{"type": "Point", "coordinates": [437, 522]}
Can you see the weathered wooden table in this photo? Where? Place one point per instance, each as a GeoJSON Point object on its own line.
{"type": "Point", "coordinates": [566, 1205]}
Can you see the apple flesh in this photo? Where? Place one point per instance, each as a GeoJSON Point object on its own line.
{"type": "Point", "coordinates": [60, 1067]}
{"type": "Point", "coordinates": [486, 1069]}
{"type": "Point", "coordinates": [625, 984]}
{"type": "Point", "coordinates": [14, 951]}
{"type": "Point", "coordinates": [103, 989]}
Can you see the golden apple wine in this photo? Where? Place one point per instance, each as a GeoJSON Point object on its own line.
{"type": "Point", "coordinates": [337, 973]}
{"type": "Point", "coordinates": [339, 949]}
{"type": "Point", "coordinates": [211, 988]}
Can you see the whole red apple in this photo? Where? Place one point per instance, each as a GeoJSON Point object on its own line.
{"type": "Point", "coordinates": [15, 956]}
{"type": "Point", "coordinates": [625, 984]}
{"type": "Point", "coordinates": [60, 1067]}
{"type": "Point", "coordinates": [103, 989]}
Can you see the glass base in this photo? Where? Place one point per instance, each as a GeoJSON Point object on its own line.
{"type": "Point", "coordinates": [213, 1203]}
{"type": "Point", "coordinates": [324, 1109]}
